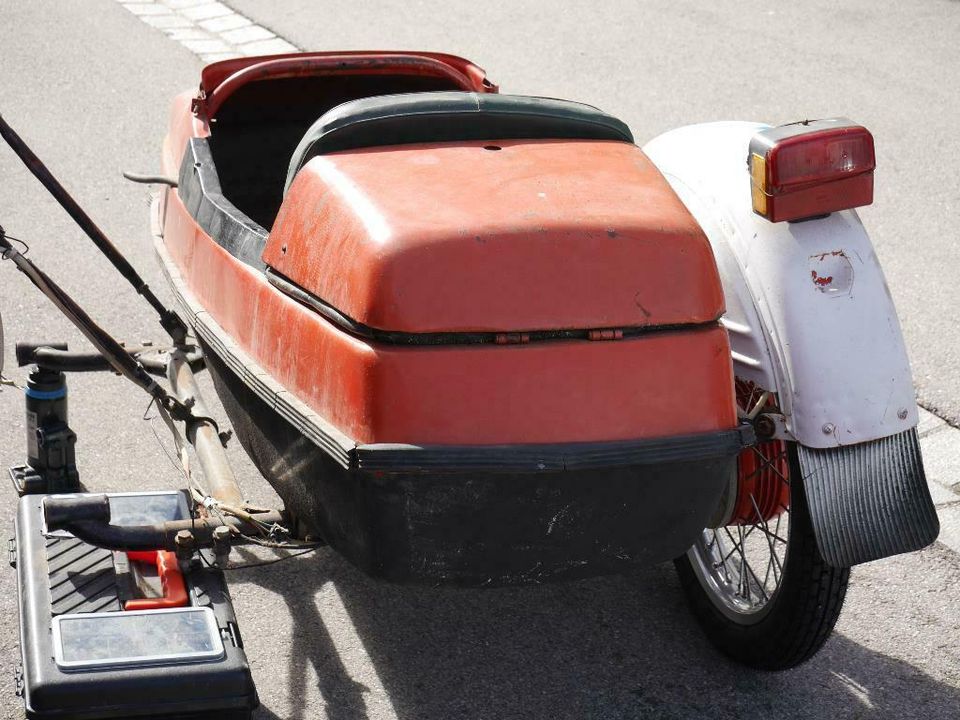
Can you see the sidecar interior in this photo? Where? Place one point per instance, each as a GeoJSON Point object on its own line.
{"type": "Point", "coordinates": [429, 117]}
{"type": "Point", "coordinates": [267, 126]}
{"type": "Point", "coordinates": [256, 130]}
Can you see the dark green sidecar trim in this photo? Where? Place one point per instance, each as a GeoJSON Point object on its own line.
{"type": "Point", "coordinates": [446, 116]}
{"type": "Point", "coordinates": [200, 191]}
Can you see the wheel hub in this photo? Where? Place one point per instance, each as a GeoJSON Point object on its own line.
{"type": "Point", "coordinates": [762, 493]}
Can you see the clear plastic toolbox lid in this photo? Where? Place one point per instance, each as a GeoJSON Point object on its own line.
{"type": "Point", "coordinates": [90, 641]}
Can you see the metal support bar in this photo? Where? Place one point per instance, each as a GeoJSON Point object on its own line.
{"type": "Point", "coordinates": [202, 433]}
{"type": "Point", "coordinates": [55, 356]}
{"type": "Point", "coordinates": [162, 536]}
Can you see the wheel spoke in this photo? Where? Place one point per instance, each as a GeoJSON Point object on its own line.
{"type": "Point", "coordinates": [744, 578]}
{"type": "Point", "coordinates": [757, 581]}
{"type": "Point", "coordinates": [736, 544]}
{"type": "Point", "coordinates": [772, 556]}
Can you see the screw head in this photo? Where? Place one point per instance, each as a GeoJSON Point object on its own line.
{"type": "Point", "coordinates": [828, 428]}
{"type": "Point", "coordinates": [903, 414]}
{"type": "Point", "coordinates": [183, 539]}
{"type": "Point", "coordinates": [765, 426]}
{"type": "Point", "coordinates": [221, 532]}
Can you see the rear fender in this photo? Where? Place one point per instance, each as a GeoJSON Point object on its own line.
{"type": "Point", "coordinates": [808, 310]}
{"type": "Point", "coordinates": [810, 317]}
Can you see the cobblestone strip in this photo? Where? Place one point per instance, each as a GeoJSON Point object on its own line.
{"type": "Point", "coordinates": [210, 29]}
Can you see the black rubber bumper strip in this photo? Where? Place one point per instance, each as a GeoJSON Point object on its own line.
{"type": "Point", "coordinates": [567, 456]}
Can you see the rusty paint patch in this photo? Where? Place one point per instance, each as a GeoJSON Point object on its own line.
{"type": "Point", "coordinates": [831, 273]}
{"type": "Point", "coordinates": [821, 281]}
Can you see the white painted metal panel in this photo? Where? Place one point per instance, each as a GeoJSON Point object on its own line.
{"type": "Point", "coordinates": [808, 308]}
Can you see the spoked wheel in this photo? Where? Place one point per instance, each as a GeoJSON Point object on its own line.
{"type": "Point", "coordinates": [757, 583]}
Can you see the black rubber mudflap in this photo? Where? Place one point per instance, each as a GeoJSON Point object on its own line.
{"type": "Point", "coordinates": [870, 500]}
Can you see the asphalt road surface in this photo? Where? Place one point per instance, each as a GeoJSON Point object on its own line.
{"type": "Point", "coordinates": [87, 84]}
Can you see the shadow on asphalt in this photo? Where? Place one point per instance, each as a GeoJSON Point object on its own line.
{"type": "Point", "coordinates": [622, 647]}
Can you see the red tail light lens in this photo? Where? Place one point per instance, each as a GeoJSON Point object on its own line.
{"type": "Point", "coordinates": [810, 169]}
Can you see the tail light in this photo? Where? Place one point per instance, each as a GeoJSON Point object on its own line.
{"type": "Point", "coordinates": [809, 169]}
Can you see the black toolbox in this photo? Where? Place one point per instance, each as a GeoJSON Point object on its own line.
{"type": "Point", "coordinates": [85, 658]}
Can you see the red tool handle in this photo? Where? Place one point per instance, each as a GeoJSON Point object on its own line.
{"type": "Point", "coordinates": [171, 580]}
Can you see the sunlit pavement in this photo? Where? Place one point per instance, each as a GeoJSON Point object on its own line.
{"type": "Point", "coordinates": [87, 84]}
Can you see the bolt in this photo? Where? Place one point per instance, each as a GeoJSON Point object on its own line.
{"type": "Point", "coordinates": [184, 543]}
{"type": "Point", "coordinates": [903, 414]}
{"type": "Point", "coordinates": [828, 428]}
{"type": "Point", "coordinates": [184, 539]}
{"type": "Point", "coordinates": [765, 426]}
{"type": "Point", "coordinates": [221, 543]}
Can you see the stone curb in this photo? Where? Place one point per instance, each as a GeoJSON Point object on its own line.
{"type": "Point", "coordinates": [940, 445]}
{"type": "Point", "coordinates": [209, 29]}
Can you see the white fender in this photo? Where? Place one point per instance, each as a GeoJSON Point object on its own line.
{"type": "Point", "coordinates": [808, 309]}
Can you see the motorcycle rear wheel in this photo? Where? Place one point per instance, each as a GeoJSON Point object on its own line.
{"type": "Point", "coordinates": [762, 592]}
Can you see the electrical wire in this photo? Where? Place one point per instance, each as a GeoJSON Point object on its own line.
{"type": "Point", "coordinates": [272, 561]}
{"type": "Point", "coordinates": [179, 468]}
{"type": "Point", "coordinates": [26, 248]}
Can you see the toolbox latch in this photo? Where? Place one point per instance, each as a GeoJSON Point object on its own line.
{"type": "Point", "coordinates": [232, 633]}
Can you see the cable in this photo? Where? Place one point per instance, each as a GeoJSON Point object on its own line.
{"type": "Point", "coordinates": [26, 248]}
{"type": "Point", "coordinates": [282, 545]}
{"type": "Point", "coordinates": [272, 561]}
{"type": "Point", "coordinates": [153, 429]}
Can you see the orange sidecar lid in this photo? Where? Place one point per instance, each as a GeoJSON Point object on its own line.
{"type": "Point", "coordinates": [510, 235]}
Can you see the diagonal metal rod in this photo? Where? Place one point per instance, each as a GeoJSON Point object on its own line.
{"type": "Point", "coordinates": [170, 321]}
{"type": "Point", "coordinates": [118, 357]}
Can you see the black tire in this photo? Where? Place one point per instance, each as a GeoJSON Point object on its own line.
{"type": "Point", "coordinates": [798, 617]}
